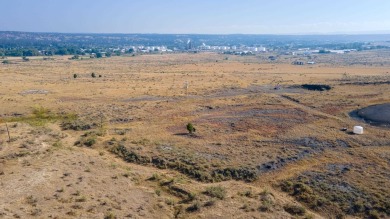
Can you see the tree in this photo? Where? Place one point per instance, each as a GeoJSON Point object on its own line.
{"type": "Point", "coordinates": [108, 54]}
{"type": "Point", "coordinates": [62, 51]}
{"type": "Point", "coordinates": [93, 75]}
{"type": "Point", "coordinates": [191, 129]}
{"type": "Point", "coordinates": [31, 52]}
{"type": "Point", "coordinates": [14, 52]}
{"type": "Point", "coordinates": [75, 57]}
{"type": "Point", "coordinates": [323, 51]}
{"type": "Point", "coordinates": [99, 55]}
{"type": "Point", "coordinates": [74, 76]}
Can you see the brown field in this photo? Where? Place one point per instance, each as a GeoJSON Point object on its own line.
{"type": "Point", "coordinates": [116, 146]}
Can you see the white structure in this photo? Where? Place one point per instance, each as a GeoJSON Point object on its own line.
{"type": "Point", "coordinates": [358, 130]}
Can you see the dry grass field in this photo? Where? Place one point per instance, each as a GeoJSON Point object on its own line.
{"type": "Point", "coordinates": [116, 145]}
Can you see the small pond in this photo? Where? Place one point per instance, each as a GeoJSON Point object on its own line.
{"type": "Point", "coordinates": [378, 115]}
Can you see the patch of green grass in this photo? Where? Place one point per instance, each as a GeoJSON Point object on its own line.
{"type": "Point", "coordinates": [40, 116]}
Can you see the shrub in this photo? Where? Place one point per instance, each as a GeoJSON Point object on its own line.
{"type": "Point", "coordinates": [374, 214]}
{"type": "Point", "coordinates": [216, 192]}
{"type": "Point", "coordinates": [194, 207]}
{"type": "Point", "coordinates": [75, 76]}
{"type": "Point", "coordinates": [155, 177]}
{"type": "Point", "coordinates": [93, 75]}
{"type": "Point", "coordinates": [191, 196]}
{"type": "Point", "coordinates": [109, 215]}
{"type": "Point", "coordinates": [249, 194]}
{"type": "Point", "coordinates": [90, 141]}
{"type": "Point", "coordinates": [295, 210]}
{"type": "Point", "coordinates": [31, 200]}
{"type": "Point", "coordinates": [209, 203]}
{"type": "Point", "coordinates": [169, 202]}
{"type": "Point", "coordinates": [81, 199]}
{"type": "Point", "coordinates": [191, 129]}
{"type": "Point", "coordinates": [76, 125]}
{"type": "Point", "coordinates": [265, 207]}
{"type": "Point", "coordinates": [75, 57]}
{"type": "Point", "coordinates": [309, 216]}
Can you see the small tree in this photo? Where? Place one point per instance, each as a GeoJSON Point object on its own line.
{"type": "Point", "coordinates": [74, 76]}
{"type": "Point", "coordinates": [93, 75]}
{"type": "Point", "coordinates": [75, 57]}
{"type": "Point", "coordinates": [191, 129]}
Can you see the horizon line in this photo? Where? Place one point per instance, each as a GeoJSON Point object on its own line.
{"type": "Point", "coordinates": [379, 32]}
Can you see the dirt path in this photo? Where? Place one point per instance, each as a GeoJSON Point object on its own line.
{"type": "Point", "coordinates": [309, 109]}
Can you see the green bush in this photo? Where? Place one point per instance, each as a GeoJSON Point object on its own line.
{"type": "Point", "coordinates": [216, 192]}
{"type": "Point", "coordinates": [194, 207]}
{"type": "Point", "coordinates": [373, 214]}
{"type": "Point", "coordinates": [155, 177]}
{"type": "Point", "coordinates": [75, 57]}
{"type": "Point", "coordinates": [295, 210]}
{"type": "Point", "coordinates": [191, 129]}
{"type": "Point", "coordinates": [90, 141]}
{"type": "Point", "coordinates": [76, 125]}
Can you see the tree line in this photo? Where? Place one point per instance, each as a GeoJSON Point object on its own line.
{"type": "Point", "coordinates": [60, 50]}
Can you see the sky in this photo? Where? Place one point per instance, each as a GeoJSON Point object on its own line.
{"type": "Point", "coordinates": [196, 16]}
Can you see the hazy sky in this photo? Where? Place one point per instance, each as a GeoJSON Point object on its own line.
{"type": "Point", "coordinates": [196, 16]}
